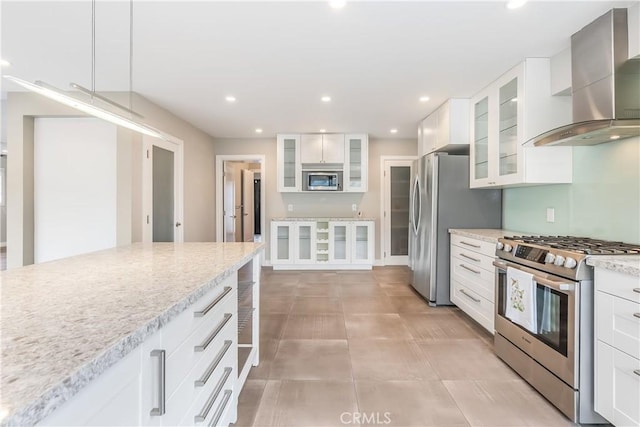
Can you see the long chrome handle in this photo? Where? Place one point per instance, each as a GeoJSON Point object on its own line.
{"type": "Point", "coordinates": [213, 303]}
{"type": "Point", "coordinates": [636, 371]}
{"type": "Point", "coordinates": [212, 335]}
{"type": "Point", "coordinates": [470, 296]}
{"type": "Point", "coordinates": [204, 412]}
{"type": "Point", "coordinates": [470, 257]}
{"type": "Point", "coordinates": [470, 269]}
{"type": "Point", "coordinates": [559, 286]}
{"type": "Point", "coordinates": [220, 410]}
{"type": "Point", "coordinates": [161, 355]}
{"type": "Point", "coordinates": [636, 315]}
{"type": "Point", "coordinates": [636, 290]}
{"type": "Point", "coordinates": [470, 244]}
{"type": "Point", "coordinates": [212, 367]}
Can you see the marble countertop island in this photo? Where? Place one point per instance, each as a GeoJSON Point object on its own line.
{"type": "Point", "coordinates": [323, 219]}
{"type": "Point", "coordinates": [64, 322]}
{"type": "Point", "coordinates": [626, 264]}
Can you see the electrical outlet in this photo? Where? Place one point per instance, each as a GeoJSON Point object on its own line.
{"type": "Point", "coordinates": [290, 208]}
{"type": "Point", "coordinates": [551, 215]}
{"type": "Point", "coordinates": [354, 207]}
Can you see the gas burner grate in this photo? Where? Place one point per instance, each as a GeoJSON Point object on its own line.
{"type": "Point", "coordinates": [583, 245]}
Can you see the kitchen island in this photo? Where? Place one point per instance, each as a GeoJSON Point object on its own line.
{"type": "Point", "coordinates": [64, 323]}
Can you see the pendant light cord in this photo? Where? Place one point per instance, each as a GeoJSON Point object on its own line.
{"type": "Point", "coordinates": [93, 47]}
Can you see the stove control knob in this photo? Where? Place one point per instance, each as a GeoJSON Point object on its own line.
{"type": "Point", "coordinates": [507, 247]}
{"type": "Point", "coordinates": [570, 263]}
{"type": "Point", "coordinates": [549, 258]}
{"type": "Point", "coordinates": [499, 246]}
{"type": "Point", "coordinates": [559, 260]}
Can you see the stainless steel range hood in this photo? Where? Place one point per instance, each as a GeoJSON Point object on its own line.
{"type": "Point", "coordinates": [605, 85]}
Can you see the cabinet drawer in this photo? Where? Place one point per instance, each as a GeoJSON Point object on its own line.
{"type": "Point", "coordinates": [474, 245]}
{"type": "Point", "coordinates": [473, 258]}
{"type": "Point", "coordinates": [618, 323]}
{"type": "Point", "coordinates": [618, 284]}
{"type": "Point", "coordinates": [475, 278]}
{"type": "Point", "coordinates": [480, 309]}
{"type": "Point", "coordinates": [617, 386]}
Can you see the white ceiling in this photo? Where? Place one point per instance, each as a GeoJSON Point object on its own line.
{"type": "Point", "coordinates": [375, 59]}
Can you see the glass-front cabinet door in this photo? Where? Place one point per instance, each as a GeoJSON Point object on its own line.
{"type": "Point", "coordinates": [356, 162]}
{"type": "Point", "coordinates": [289, 167]}
{"type": "Point", "coordinates": [339, 239]}
{"type": "Point", "coordinates": [305, 242]}
{"type": "Point", "coordinates": [282, 242]}
{"type": "Point", "coordinates": [480, 149]}
{"type": "Point", "coordinates": [362, 242]}
{"type": "Point", "coordinates": [508, 129]}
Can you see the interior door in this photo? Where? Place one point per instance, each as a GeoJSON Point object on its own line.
{"type": "Point", "coordinates": [248, 218]}
{"type": "Point", "coordinates": [397, 204]}
{"type": "Point", "coordinates": [229, 201]}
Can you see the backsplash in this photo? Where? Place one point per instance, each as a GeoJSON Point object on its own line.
{"type": "Point", "coordinates": [603, 202]}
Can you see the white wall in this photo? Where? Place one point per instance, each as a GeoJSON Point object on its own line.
{"type": "Point", "coordinates": [74, 187]}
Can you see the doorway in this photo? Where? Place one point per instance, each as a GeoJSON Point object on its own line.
{"type": "Point", "coordinates": [396, 183]}
{"type": "Point", "coordinates": [162, 190]}
{"type": "Point", "coordinates": [240, 201]}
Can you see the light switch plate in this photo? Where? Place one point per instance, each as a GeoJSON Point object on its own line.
{"type": "Point", "coordinates": [551, 215]}
{"type": "Point", "coordinates": [354, 207]}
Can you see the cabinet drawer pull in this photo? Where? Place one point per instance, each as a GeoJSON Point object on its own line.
{"type": "Point", "coordinates": [470, 257]}
{"type": "Point", "coordinates": [212, 335]}
{"type": "Point", "coordinates": [469, 296]}
{"type": "Point", "coordinates": [213, 303]}
{"type": "Point", "coordinates": [470, 244]}
{"type": "Point", "coordinates": [212, 367]}
{"type": "Point", "coordinates": [204, 412]}
{"type": "Point", "coordinates": [220, 410]}
{"type": "Point", "coordinates": [636, 290]}
{"type": "Point", "coordinates": [636, 315]}
{"type": "Point", "coordinates": [161, 355]}
{"type": "Point", "coordinates": [637, 372]}
{"type": "Point", "coordinates": [470, 269]}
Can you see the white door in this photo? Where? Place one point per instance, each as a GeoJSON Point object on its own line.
{"type": "Point", "coordinates": [229, 186]}
{"type": "Point", "coordinates": [162, 190]}
{"type": "Point", "coordinates": [396, 195]}
{"type": "Point", "coordinates": [248, 217]}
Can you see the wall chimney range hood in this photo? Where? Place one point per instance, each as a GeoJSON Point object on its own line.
{"type": "Point", "coordinates": [605, 85]}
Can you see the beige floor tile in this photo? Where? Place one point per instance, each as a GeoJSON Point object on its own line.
{"type": "Point", "coordinates": [468, 359]}
{"type": "Point", "coordinates": [272, 325]}
{"type": "Point", "coordinates": [483, 334]}
{"type": "Point", "coordinates": [397, 289]}
{"type": "Point", "coordinates": [504, 403]}
{"type": "Point", "coordinates": [319, 276]}
{"type": "Point", "coordinates": [306, 403]}
{"type": "Point", "coordinates": [249, 401]}
{"type": "Point", "coordinates": [278, 288]}
{"type": "Point", "coordinates": [316, 305]}
{"type": "Point", "coordinates": [315, 326]}
{"type": "Point", "coordinates": [376, 326]}
{"type": "Point", "coordinates": [270, 304]}
{"type": "Point", "coordinates": [312, 360]}
{"type": "Point", "coordinates": [378, 304]}
{"type": "Point", "coordinates": [411, 304]}
{"type": "Point", "coordinates": [359, 289]}
{"type": "Point", "coordinates": [318, 289]}
{"type": "Point", "coordinates": [409, 403]}
{"type": "Point", "coordinates": [424, 326]}
{"type": "Point", "coordinates": [389, 360]}
{"type": "Point", "coordinates": [268, 350]}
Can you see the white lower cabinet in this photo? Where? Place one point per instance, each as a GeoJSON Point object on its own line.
{"type": "Point", "coordinates": [617, 347]}
{"type": "Point", "coordinates": [186, 373]}
{"type": "Point", "coordinates": [472, 278]}
{"type": "Point", "coordinates": [322, 244]}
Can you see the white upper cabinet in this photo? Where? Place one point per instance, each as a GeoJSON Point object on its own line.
{"type": "Point", "coordinates": [289, 167]}
{"type": "Point", "coordinates": [322, 148]}
{"type": "Point", "coordinates": [446, 129]}
{"type": "Point", "coordinates": [504, 116]}
{"type": "Point", "coordinates": [356, 163]}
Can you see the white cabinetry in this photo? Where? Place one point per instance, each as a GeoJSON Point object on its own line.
{"type": "Point", "coordinates": [617, 352]}
{"type": "Point", "coordinates": [356, 163]}
{"type": "Point", "coordinates": [446, 129]}
{"type": "Point", "coordinates": [504, 116]}
{"type": "Point", "coordinates": [339, 242]}
{"type": "Point", "coordinates": [362, 242]}
{"type": "Point", "coordinates": [473, 278]}
{"type": "Point", "coordinates": [322, 148]}
{"type": "Point", "coordinates": [282, 242]}
{"type": "Point", "coordinates": [289, 167]}
{"type": "Point", "coordinates": [305, 248]}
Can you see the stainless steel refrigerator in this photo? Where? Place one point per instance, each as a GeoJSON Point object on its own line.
{"type": "Point", "coordinates": [441, 199]}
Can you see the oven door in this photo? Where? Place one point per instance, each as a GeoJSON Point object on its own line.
{"type": "Point", "coordinates": [553, 346]}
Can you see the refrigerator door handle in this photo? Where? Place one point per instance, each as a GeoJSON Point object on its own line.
{"type": "Point", "coordinates": [417, 198]}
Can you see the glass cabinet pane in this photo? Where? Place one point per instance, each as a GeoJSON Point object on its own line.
{"type": "Point", "coordinates": [304, 242]}
{"type": "Point", "coordinates": [289, 163]}
{"type": "Point", "coordinates": [481, 138]}
{"type": "Point", "coordinates": [508, 128]}
{"type": "Point", "coordinates": [283, 242]}
{"type": "Point", "coordinates": [340, 242]}
{"type": "Point", "coordinates": [355, 163]}
{"type": "Point", "coordinates": [361, 250]}
{"type": "Point", "coordinates": [400, 185]}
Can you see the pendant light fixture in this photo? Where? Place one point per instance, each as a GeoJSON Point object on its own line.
{"type": "Point", "coordinates": [90, 108]}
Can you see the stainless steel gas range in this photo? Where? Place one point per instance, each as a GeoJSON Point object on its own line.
{"type": "Point", "coordinates": [554, 352]}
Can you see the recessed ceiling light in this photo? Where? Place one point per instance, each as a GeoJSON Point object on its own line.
{"type": "Point", "coordinates": [394, 130]}
{"type": "Point", "coordinates": [230, 98]}
{"type": "Point", "coordinates": [614, 137]}
{"type": "Point", "coordinates": [5, 63]}
{"type": "Point", "coordinates": [514, 4]}
{"type": "Point", "coordinates": [258, 130]}
{"type": "Point", "coordinates": [337, 4]}
{"type": "Point", "coordinates": [323, 130]}
{"type": "Point", "coordinates": [326, 98]}
{"type": "Point", "coordinates": [424, 98]}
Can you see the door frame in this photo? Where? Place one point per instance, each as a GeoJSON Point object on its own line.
{"type": "Point", "coordinates": [384, 239]}
{"type": "Point", "coordinates": [219, 213]}
{"type": "Point", "coordinates": [177, 147]}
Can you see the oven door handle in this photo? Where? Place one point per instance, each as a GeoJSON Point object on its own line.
{"type": "Point", "coordinates": [559, 286]}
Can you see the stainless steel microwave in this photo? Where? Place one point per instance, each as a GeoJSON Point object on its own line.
{"type": "Point", "coordinates": [322, 181]}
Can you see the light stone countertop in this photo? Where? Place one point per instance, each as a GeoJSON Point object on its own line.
{"type": "Point", "coordinates": [323, 219]}
{"type": "Point", "coordinates": [490, 235]}
{"type": "Point", "coordinates": [65, 322]}
{"type": "Point", "coordinates": [627, 264]}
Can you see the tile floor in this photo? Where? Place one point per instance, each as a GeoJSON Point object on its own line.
{"type": "Point", "coordinates": [361, 348]}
